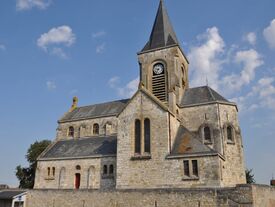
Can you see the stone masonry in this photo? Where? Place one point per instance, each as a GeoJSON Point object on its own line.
{"type": "Point", "coordinates": [239, 196]}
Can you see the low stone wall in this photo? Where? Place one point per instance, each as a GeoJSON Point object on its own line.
{"type": "Point", "coordinates": [263, 195]}
{"type": "Point", "coordinates": [240, 196]}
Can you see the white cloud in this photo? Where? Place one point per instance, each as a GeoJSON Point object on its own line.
{"type": "Point", "coordinates": [59, 52]}
{"type": "Point", "coordinates": [2, 47]}
{"type": "Point", "coordinates": [59, 35]}
{"type": "Point", "coordinates": [98, 34]}
{"type": "Point", "coordinates": [29, 4]}
{"type": "Point", "coordinates": [265, 91]}
{"type": "Point", "coordinates": [251, 60]}
{"type": "Point", "coordinates": [205, 61]}
{"type": "Point", "coordinates": [100, 48]}
{"type": "Point", "coordinates": [251, 38]}
{"type": "Point", "coordinates": [114, 81]}
{"type": "Point", "coordinates": [124, 91]}
{"type": "Point", "coordinates": [262, 95]}
{"type": "Point", "coordinates": [269, 34]}
{"type": "Point", "coordinates": [209, 58]}
{"type": "Point", "coordinates": [51, 85]}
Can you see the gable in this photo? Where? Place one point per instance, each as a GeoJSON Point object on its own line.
{"type": "Point", "coordinates": [142, 100]}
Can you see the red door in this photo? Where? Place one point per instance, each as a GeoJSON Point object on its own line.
{"type": "Point", "coordinates": [77, 181]}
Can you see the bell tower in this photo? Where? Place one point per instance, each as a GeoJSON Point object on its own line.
{"type": "Point", "coordinates": [163, 65]}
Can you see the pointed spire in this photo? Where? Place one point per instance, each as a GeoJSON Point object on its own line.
{"type": "Point", "coordinates": [162, 34]}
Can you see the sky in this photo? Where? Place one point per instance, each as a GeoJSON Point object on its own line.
{"type": "Point", "coordinates": [52, 50]}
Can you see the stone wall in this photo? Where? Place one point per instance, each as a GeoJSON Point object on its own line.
{"type": "Point", "coordinates": [154, 170]}
{"type": "Point", "coordinates": [84, 128]}
{"type": "Point", "coordinates": [196, 117]}
{"type": "Point", "coordinates": [176, 66]}
{"type": "Point", "coordinates": [263, 196]}
{"type": "Point", "coordinates": [233, 166]}
{"type": "Point", "coordinates": [64, 177]}
{"type": "Point", "coordinates": [240, 196]}
{"type": "Point", "coordinates": [218, 116]}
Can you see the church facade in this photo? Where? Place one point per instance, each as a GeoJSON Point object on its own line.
{"type": "Point", "coordinates": [167, 135]}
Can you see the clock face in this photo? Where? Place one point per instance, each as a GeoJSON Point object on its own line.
{"type": "Point", "coordinates": [158, 69]}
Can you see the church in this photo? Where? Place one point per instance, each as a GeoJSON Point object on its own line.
{"type": "Point", "coordinates": [166, 136]}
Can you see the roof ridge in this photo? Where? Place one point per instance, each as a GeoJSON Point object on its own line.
{"type": "Point", "coordinates": [107, 102]}
{"type": "Point", "coordinates": [90, 137]}
{"type": "Point", "coordinates": [196, 87]}
{"type": "Point", "coordinates": [209, 89]}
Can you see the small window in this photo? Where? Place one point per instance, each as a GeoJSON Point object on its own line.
{"type": "Point", "coordinates": [229, 133]}
{"type": "Point", "coordinates": [53, 171]}
{"type": "Point", "coordinates": [71, 131]}
{"type": "Point", "coordinates": [137, 137]}
{"type": "Point", "coordinates": [195, 168]}
{"type": "Point", "coordinates": [78, 167]}
{"type": "Point", "coordinates": [111, 169]}
{"type": "Point", "coordinates": [49, 171]}
{"type": "Point", "coordinates": [207, 134]}
{"type": "Point", "coordinates": [147, 136]}
{"type": "Point", "coordinates": [182, 70]}
{"type": "Point", "coordinates": [79, 131]}
{"type": "Point", "coordinates": [96, 129]}
{"type": "Point", "coordinates": [105, 170]}
{"type": "Point", "coordinates": [77, 180]}
{"type": "Point", "coordinates": [186, 168]}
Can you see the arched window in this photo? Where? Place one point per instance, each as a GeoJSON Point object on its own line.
{"type": "Point", "coordinates": [91, 177]}
{"type": "Point", "coordinates": [79, 131]}
{"type": "Point", "coordinates": [61, 181]}
{"type": "Point", "coordinates": [78, 167]}
{"type": "Point", "coordinates": [95, 129]}
{"type": "Point", "coordinates": [53, 171]}
{"type": "Point", "coordinates": [229, 133]}
{"type": "Point", "coordinates": [49, 171]}
{"type": "Point", "coordinates": [147, 136]}
{"type": "Point", "coordinates": [159, 82]}
{"type": "Point", "coordinates": [137, 137]}
{"type": "Point", "coordinates": [71, 131]}
{"type": "Point", "coordinates": [111, 169]}
{"type": "Point", "coordinates": [105, 170]}
{"type": "Point", "coordinates": [207, 134]}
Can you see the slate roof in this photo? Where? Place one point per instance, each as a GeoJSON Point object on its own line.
{"type": "Point", "coordinates": [162, 34]}
{"type": "Point", "coordinates": [201, 95]}
{"type": "Point", "coordinates": [83, 147]}
{"type": "Point", "coordinates": [9, 194]}
{"type": "Point", "coordinates": [94, 111]}
{"type": "Point", "coordinates": [188, 143]}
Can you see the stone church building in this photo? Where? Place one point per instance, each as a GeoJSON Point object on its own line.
{"type": "Point", "coordinates": [167, 135]}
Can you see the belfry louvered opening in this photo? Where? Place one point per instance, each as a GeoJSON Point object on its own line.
{"type": "Point", "coordinates": [159, 82]}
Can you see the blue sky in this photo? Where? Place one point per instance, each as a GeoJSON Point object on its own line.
{"type": "Point", "coordinates": [53, 50]}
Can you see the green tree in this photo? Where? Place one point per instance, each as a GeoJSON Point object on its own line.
{"type": "Point", "coordinates": [249, 176]}
{"type": "Point", "coordinates": [26, 175]}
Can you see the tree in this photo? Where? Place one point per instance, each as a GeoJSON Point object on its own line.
{"type": "Point", "coordinates": [249, 176]}
{"type": "Point", "coordinates": [26, 175]}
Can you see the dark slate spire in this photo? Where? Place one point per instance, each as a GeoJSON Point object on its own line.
{"type": "Point", "coordinates": [162, 34]}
